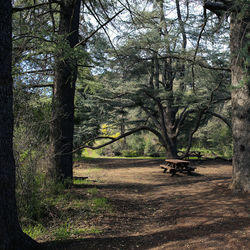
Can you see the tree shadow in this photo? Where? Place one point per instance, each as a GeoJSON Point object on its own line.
{"type": "Point", "coordinates": [112, 163]}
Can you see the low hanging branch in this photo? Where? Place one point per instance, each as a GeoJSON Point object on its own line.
{"type": "Point", "coordinates": [112, 139]}
{"type": "Point", "coordinates": [224, 119]}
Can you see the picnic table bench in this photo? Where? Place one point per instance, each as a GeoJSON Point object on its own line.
{"type": "Point", "coordinates": [173, 166]}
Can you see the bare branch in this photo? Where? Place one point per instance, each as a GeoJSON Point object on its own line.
{"type": "Point", "coordinates": [112, 140]}
{"type": "Point", "coordinates": [201, 64]}
{"type": "Point", "coordinates": [36, 71]}
{"type": "Point", "coordinates": [198, 43]}
{"type": "Point", "coordinates": [50, 85]}
{"type": "Point", "coordinates": [224, 119]}
{"type": "Point", "coordinates": [93, 33]}
{"type": "Point", "coordinates": [95, 15]}
{"type": "Point", "coordinates": [182, 118]}
{"type": "Point", "coordinates": [217, 6]}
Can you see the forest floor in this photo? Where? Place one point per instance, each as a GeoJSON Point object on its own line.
{"type": "Point", "coordinates": [149, 209]}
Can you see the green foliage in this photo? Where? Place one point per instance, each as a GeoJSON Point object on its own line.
{"type": "Point", "coordinates": [129, 153]}
{"type": "Point", "coordinates": [214, 139]}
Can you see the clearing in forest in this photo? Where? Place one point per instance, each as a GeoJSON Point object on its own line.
{"type": "Point", "coordinates": [149, 209]}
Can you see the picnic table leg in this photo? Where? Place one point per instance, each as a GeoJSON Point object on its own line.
{"type": "Point", "coordinates": [172, 172]}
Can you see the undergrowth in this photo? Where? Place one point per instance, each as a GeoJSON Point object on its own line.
{"type": "Point", "coordinates": [47, 208]}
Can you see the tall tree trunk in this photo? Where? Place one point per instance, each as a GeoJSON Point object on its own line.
{"type": "Point", "coordinates": [240, 53]}
{"type": "Point", "coordinates": [64, 90]}
{"type": "Point", "coordinates": [11, 235]}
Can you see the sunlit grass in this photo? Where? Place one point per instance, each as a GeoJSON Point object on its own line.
{"type": "Point", "coordinates": [68, 230]}
{"type": "Point", "coordinates": [82, 181]}
{"type": "Point", "coordinates": [99, 204]}
{"type": "Point", "coordinates": [34, 231]}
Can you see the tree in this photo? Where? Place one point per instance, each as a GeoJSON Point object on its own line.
{"type": "Point", "coordinates": [240, 54]}
{"type": "Point", "coordinates": [11, 235]}
{"type": "Point", "coordinates": [60, 53]}
{"type": "Point", "coordinates": [155, 72]}
{"type": "Point", "coordinates": [62, 128]}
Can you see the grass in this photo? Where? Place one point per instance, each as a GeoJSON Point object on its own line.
{"type": "Point", "coordinates": [99, 204]}
{"type": "Point", "coordinates": [68, 230]}
{"type": "Point", "coordinates": [82, 182]}
{"type": "Point", "coordinates": [61, 204]}
{"type": "Point", "coordinates": [93, 191]}
{"type": "Point", "coordinates": [34, 231]}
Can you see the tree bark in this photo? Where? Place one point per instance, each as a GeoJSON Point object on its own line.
{"type": "Point", "coordinates": [11, 235]}
{"type": "Point", "coordinates": [64, 91]}
{"type": "Point", "coordinates": [240, 53]}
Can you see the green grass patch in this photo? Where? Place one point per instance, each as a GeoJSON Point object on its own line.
{"type": "Point", "coordinates": [99, 204]}
{"type": "Point", "coordinates": [82, 182]}
{"type": "Point", "coordinates": [68, 230]}
{"type": "Point", "coordinates": [93, 191]}
{"type": "Point", "coordinates": [34, 231]}
{"type": "Point", "coordinates": [63, 232]}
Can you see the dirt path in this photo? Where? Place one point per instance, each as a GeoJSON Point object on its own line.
{"type": "Point", "coordinates": [152, 210]}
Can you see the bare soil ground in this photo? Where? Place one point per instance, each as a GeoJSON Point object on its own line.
{"type": "Point", "coordinates": [152, 210]}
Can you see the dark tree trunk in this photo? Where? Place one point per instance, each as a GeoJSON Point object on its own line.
{"type": "Point", "coordinates": [240, 53]}
{"type": "Point", "coordinates": [171, 149]}
{"type": "Point", "coordinates": [11, 235]}
{"type": "Point", "coordinates": [64, 90]}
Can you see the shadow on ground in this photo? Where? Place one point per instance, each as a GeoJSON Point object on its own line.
{"type": "Point", "coordinates": [167, 212]}
{"type": "Point", "coordinates": [155, 239]}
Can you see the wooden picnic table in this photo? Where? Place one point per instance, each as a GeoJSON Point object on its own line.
{"type": "Point", "coordinates": [173, 166]}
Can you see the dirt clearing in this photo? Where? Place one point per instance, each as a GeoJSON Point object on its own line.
{"type": "Point", "coordinates": [152, 210]}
